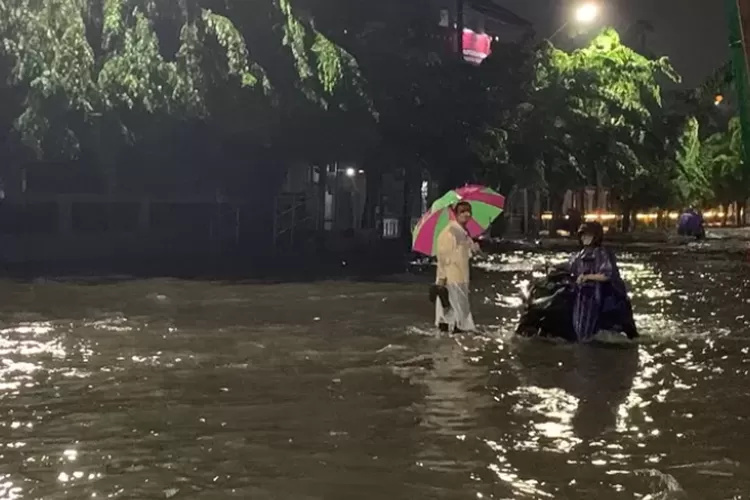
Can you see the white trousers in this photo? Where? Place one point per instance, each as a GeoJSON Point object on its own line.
{"type": "Point", "coordinates": [459, 315]}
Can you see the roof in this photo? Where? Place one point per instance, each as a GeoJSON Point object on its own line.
{"type": "Point", "coordinates": [491, 9]}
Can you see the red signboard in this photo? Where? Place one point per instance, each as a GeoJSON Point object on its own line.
{"type": "Point", "coordinates": [476, 46]}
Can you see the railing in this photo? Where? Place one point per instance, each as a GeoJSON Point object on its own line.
{"type": "Point", "coordinates": [291, 216]}
{"type": "Point", "coordinates": [60, 227]}
{"type": "Point", "coordinates": [73, 214]}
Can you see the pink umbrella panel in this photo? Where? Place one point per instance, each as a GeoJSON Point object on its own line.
{"type": "Point", "coordinates": [486, 206]}
{"type": "Point", "coordinates": [430, 226]}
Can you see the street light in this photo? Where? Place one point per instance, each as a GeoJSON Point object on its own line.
{"type": "Point", "coordinates": [585, 13]}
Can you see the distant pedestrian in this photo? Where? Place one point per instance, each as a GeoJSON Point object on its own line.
{"type": "Point", "coordinates": [691, 224]}
{"type": "Point", "coordinates": [454, 251]}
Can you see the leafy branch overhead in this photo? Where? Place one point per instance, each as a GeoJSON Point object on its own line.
{"type": "Point", "coordinates": [321, 79]}
{"type": "Point", "coordinates": [74, 60]}
{"type": "Point", "coordinates": [322, 66]}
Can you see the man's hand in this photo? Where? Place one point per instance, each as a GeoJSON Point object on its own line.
{"type": "Point", "coordinates": [582, 279]}
{"type": "Point", "coordinates": [442, 282]}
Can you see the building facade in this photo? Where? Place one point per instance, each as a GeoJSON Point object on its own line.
{"type": "Point", "coordinates": [332, 198]}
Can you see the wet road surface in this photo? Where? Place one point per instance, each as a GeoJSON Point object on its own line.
{"type": "Point", "coordinates": [340, 390]}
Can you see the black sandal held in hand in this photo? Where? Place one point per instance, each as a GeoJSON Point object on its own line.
{"type": "Point", "coordinates": [440, 292]}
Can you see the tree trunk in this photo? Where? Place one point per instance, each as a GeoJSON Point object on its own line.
{"type": "Point", "coordinates": [531, 206]}
{"type": "Point", "coordinates": [741, 209]}
{"type": "Point", "coordinates": [581, 195]}
{"type": "Point", "coordinates": [626, 220]}
{"type": "Point", "coordinates": [599, 193]}
{"type": "Point", "coordinates": [320, 222]}
{"type": "Point", "coordinates": [556, 202]}
{"type": "Point", "coordinates": [627, 210]}
{"type": "Point", "coordinates": [537, 214]}
{"type": "Point", "coordinates": [526, 227]}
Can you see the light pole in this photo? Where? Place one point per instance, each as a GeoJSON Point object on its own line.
{"type": "Point", "coordinates": [585, 13]}
{"type": "Point", "coordinates": [460, 29]}
{"type": "Point", "coordinates": [582, 14]}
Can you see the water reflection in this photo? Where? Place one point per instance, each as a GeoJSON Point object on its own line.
{"type": "Point", "coordinates": [611, 415]}
{"type": "Point", "coordinates": [603, 380]}
{"type": "Point", "coordinates": [581, 396]}
{"type": "Point", "coordinates": [172, 389]}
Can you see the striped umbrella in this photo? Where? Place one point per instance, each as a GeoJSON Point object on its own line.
{"type": "Point", "coordinates": [486, 206]}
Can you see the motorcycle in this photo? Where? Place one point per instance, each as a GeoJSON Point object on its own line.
{"type": "Point", "coordinates": [548, 310]}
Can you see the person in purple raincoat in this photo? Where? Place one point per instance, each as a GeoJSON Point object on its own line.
{"type": "Point", "coordinates": [601, 301]}
{"type": "Point", "coordinates": [691, 223]}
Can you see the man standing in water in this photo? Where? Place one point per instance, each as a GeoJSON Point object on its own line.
{"type": "Point", "coordinates": [454, 250]}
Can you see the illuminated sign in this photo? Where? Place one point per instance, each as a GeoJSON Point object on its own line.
{"type": "Point", "coordinates": [476, 46]}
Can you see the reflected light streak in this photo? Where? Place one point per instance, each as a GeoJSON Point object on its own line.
{"type": "Point", "coordinates": [8, 491]}
{"type": "Point", "coordinates": [557, 407]}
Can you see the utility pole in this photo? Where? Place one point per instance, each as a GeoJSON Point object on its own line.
{"type": "Point", "coordinates": [460, 28]}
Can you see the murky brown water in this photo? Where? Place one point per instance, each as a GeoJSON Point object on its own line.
{"type": "Point", "coordinates": [176, 389]}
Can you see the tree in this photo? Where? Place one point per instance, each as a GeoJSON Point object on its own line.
{"type": "Point", "coordinates": [628, 138]}
{"type": "Point", "coordinates": [691, 182]}
{"type": "Point", "coordinates": [711, 169]}
{"type": "Point", "coordinates": [429, 103]}
{"type": "Point", "coordinates": [65, 75]}
{"type": "Point", "coordinates": [724, 167]}
{"type": "Point", "coordinates": [109, 74]}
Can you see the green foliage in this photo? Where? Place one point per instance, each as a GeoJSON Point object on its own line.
{"type": "Point", "coordinates": [722, 157]}
{"type": "Point", "coordinates": [691, 182]}
{"type": "Point", "coordinates": [135, 74]}
{"type": "Point", "coordinates": [711, 170]}
{"type": "Point", "coordinates": [622, 99]}
{"type": "Point", "coordinates": [623, 79]}
{"type": "Point", "coordinates": [255, 73]}
{"type": "Point", "coordinates": [593, 116]}
{"type": "Point", "coordinates": [232, 41]}
{"type": "Point", "coordinates": [112, 22]}
{"type": "Point", "coordinates": [53, 64]}
{"type": "Point", "coordinates": [322, 66]}
{"type": "Point", "coordinates": [74, 62]}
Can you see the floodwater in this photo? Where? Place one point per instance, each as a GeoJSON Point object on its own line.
{"type": "Point", "coordinates": [163, 389]}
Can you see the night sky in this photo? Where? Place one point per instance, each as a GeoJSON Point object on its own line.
{"type": "Point", "coordinates": [692, 33]}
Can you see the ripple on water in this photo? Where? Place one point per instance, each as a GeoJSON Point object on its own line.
{"type": "Point", "coordinates": [330, 391]}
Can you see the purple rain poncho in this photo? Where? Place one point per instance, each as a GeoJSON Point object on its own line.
{"type": "Point", "coordinates": [600, 306]}
{"type": "Point", "coordinates": [690, 224]}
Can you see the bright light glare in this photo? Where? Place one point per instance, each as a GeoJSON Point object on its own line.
{"type": "Point", "coordinates": [587, 12]}
{"type": "Point", "coordinates": [350, 172]}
